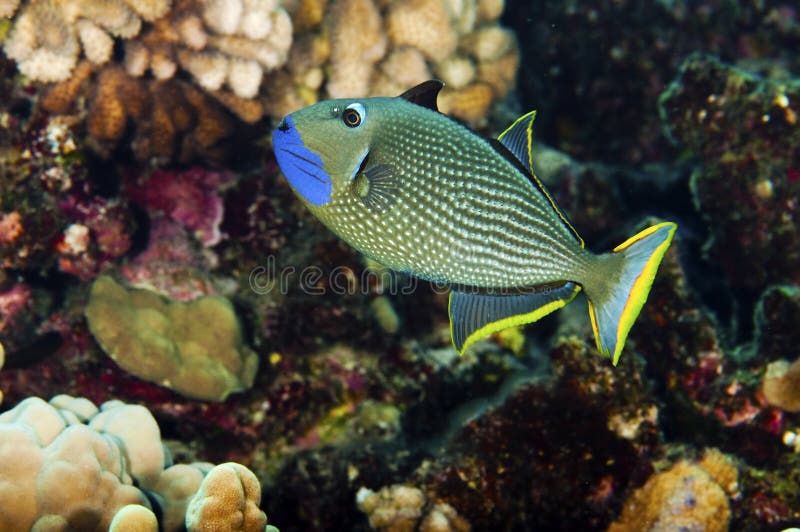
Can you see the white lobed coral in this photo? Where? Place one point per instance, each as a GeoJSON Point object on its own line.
{"type": "Point", "coordinates": [44, 46]}
{"type": "Point", "coordinates": [67, 465]}
{"type": "Point", "coordinates": [231, 42]}
{"type": "Point", "coordinates": [403, 507]}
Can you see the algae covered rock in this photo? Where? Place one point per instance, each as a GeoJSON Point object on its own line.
{"type": "Point", "coordinates": [742, 127]}
{"type": "Point", "coordinates": [194, 348]}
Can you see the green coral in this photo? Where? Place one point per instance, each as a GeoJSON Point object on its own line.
{"type": "Point", "coordinates": [194, 348]}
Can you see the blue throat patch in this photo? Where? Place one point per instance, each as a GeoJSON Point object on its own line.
{"type": "Point", "coordinates": [301, 166]}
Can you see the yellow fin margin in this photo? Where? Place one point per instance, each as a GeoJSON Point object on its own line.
{"type": "Point", "coordinates": [641, 287]}
{"type": "Point", "coordinates": [511, 321]}
{"type": "Point", "coordinates": [530, 117]}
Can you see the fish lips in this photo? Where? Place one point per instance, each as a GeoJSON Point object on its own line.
{"type": "Point", "coordinates": [302, 166]}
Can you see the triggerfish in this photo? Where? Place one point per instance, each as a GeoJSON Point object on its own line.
{"type": "Point", "coordinates": [421, 193]}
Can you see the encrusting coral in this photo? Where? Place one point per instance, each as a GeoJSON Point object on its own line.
{"type": "Point", "coordinates": [194, 348]}
{"type": "Point", "coordinates": [685, 497]}
{"type": "Point", "coordinates": [67, 465]}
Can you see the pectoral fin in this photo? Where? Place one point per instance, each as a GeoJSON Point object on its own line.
{"type": "Point", "coordinates": [475, 315]}
{"type": "Point", "coordinates": [377, 187]}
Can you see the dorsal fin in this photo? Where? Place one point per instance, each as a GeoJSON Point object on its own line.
{"type": "Point", "coordinates": [424, 94]}
{"type": "Point", "coordinates": [518, 138]}
{"type": "Point", "coordinates": [515, 144]}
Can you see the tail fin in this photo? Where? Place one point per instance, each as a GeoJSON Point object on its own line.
{"type": "Point", "coordinates": [617, 291]}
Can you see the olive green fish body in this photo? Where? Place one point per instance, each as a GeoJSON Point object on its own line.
{"type": "Point", "coordinates": [462, 213]}
{"type": "Point", "coordinates": [421, 193]}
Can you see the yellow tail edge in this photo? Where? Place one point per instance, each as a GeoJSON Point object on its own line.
{"type": "Point", "coordinates": [613, 318]}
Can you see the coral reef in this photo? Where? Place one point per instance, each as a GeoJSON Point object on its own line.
{"type": "Point", "coordinates": [194, 348]}
{"type": "Point", "coordinates": [361, 415]}
{"type": "Point", "coordinates": [597, 86]}
{"type": "Point", "coordinates": [225, 47]}
{"type": "Point", "coordinates": [52, 214]}
{"type": "Point", "coordinates": [113, 461]}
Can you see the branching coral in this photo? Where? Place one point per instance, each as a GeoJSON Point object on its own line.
{"type": "Point", "coordinates": [241, 56]}
{"type": "Point", "coordinates": [218, 42]}
{"type": "Point", "coordinates": [194, 348]}
{"type": "Point", "coordinates": [385, 47]}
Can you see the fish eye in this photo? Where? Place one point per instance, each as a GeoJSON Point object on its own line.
{"type": "Point", "coordinates": [353, 115]}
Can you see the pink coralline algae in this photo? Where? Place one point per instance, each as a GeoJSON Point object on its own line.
{"type": "Point", "coordinates": [14, 302]}
{"type": "Point", "coordinates": [172, 264]}
{"type": "Point", "coordinates": [190, 197]}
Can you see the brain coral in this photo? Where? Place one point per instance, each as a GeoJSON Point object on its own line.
{"type": "Point", "coordinates": [194, 348]}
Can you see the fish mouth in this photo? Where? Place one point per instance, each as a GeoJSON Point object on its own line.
{"type": "Point", "coordinates": [303, 168]}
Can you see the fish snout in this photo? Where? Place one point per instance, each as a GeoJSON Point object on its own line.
{"type": "Point", "coordinates": [284, 125]}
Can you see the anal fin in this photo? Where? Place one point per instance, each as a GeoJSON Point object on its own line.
{"type": "Point", "coordinates": [475, 314]}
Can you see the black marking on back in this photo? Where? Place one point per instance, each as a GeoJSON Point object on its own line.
{"type": "Point", "coordinates": [424, 94]}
